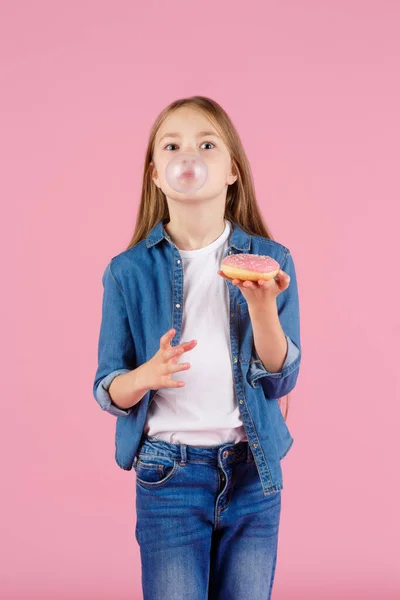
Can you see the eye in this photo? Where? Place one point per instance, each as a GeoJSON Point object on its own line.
{"type": "Point", "coordinates": [209, 143]}
{"type": "Point", "coordinates": [166, 147]}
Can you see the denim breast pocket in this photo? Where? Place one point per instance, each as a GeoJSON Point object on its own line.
{"type": "Point", "coordinates": [154, 470]}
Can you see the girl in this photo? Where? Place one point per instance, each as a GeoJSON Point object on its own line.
{"type": "Point", "coordinates": [206, 447]}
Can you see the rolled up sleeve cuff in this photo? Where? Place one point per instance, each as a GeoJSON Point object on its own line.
{"type": "Point", "coordinates": [292, 353]}
{"type": "Point", "coordinates": [104, 399]}
{"type": "Point", "coordinates": [277, 385]}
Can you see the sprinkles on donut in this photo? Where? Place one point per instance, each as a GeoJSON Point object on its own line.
{"type": "Point", "coordinates": [250, 267]}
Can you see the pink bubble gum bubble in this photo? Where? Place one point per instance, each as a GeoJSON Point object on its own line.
{"type": "Point", "coordinates": [186, 172]}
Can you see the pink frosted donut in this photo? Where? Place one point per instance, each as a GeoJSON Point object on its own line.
{"type": "Point", "coordinates": [249, 267]}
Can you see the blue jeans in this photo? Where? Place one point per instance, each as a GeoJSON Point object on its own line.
{"type": "Point", "coordinates": [205, 529]}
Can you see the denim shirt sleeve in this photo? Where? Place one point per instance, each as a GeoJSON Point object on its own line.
{"type": "Point", "coordinates": [277, 385]}
{"type": "Point", "coordinates": [116, 353]}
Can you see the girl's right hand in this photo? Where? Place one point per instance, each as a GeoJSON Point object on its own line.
{"type": "Point", "coordinates": [163, 364]}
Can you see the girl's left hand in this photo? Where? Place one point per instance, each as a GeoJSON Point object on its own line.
{"type": "Point", "coordinates": [259, 292]}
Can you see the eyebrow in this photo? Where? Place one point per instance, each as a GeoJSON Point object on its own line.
{"type": "Point", "coordinates": [200, 134]}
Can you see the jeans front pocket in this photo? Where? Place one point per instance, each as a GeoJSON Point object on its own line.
{"type": "Point", "coordinates": [154, 470]}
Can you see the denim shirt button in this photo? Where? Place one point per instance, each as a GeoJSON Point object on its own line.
{"type": "Point", "coordinates": [177, 305]}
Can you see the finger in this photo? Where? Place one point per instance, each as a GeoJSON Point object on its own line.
{"type": "Point", "coordinates": [166, 338]}
{"type": "Point", "coordinates": [188, 345]}
{"type": "Point", "coordinates": [173, 352]}
{"type": "Point", "coordinates": [169, 351]}
{"type": "Point", "coordinates": [173, 383]}
{"type": "Point", "coordinates": [171, 368]}
{"type": "Point", "coordinates": [224, 276]}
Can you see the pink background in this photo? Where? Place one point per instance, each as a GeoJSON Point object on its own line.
{"type": "Point", "coordinates": [313, 88]}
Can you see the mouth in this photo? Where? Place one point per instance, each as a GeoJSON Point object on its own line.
{"type": "Point", "coordinates": [187, 175]}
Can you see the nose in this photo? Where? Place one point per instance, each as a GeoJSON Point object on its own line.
{"type": "Point", "coordinates": [190, 160]}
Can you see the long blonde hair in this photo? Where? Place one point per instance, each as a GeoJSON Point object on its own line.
{"type": "Point", "coordinates": [241, 204]}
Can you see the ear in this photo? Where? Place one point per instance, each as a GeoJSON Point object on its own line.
{"type": "Point", "coordinates": [154, 174]}
{"type": "Point", "coordinates": [232, 177]}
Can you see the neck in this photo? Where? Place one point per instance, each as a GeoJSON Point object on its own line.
{"type": "Point", "coordinates": [194, 235]}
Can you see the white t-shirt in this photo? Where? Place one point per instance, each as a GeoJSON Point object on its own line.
{"type": "Point", "coordinates": [204, 412]}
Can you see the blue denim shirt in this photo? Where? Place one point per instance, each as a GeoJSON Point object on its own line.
{"type": "Point", "coordinates": [143, 298]}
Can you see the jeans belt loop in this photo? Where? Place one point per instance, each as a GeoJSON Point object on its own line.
{"type": "Point", "coordinates": [183, 455]}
